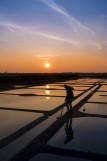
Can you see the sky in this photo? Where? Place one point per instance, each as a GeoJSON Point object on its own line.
{"type": "Point", "coordinates": [69, 35]}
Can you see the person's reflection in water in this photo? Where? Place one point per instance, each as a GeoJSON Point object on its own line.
{"type": "Point", "coordinates": [68, 131]}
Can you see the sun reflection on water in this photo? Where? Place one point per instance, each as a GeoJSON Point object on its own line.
{"type": "Point", "coordinates": [47, 92]}
{"type": "Point", "coordinates": [47, 98]}
{"type": "Point", "coordinates": [47, 86]}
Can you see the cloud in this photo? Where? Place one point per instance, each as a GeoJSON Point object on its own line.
{"type": "Point", "coordinates": [105, 42]}
{"type": "Point", "coordinates": [54, 6]}
{"type": "Point", "coordinates": [45, 56]}
{"type": "Point", "coordinates": [32, 30]}
{"type": "Point", "coordinates": [95, 44]}
{"type": "Point", "coordinates": [76, 25]}
{"type": "Point", "coordinates": [42, 56]}
{"type": "Point", "coordinates": [86, 35]}
{"type": "Point", "coordinates": [103, 16]}
{"type": "Point", "coordinates": [13, 27]}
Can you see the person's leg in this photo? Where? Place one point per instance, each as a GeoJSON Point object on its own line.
{"type": "Point", "coordinates": [67, 104]}
{"type": "Point", "coordinates": [70, 122]}
{"type": "Point", "coordinates": [70, 105]}
{"type": "Point", "coordinates": [67, 124]}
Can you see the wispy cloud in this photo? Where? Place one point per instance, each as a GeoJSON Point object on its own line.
{"type": "Point", "coordinates": [103, 16]}
{"type": "Point", "coordinates": [32, 30]}
{"type": "Point", "coordinates": [76, 24]}
{"type": "Point", "coordinates": [95, 44]}
{"type": "Point", "coordinates": [44, 56]}
{"type": "Point", "coordinates": [13, 27]}
{"type": "Point", "coordinates": [105, 42]}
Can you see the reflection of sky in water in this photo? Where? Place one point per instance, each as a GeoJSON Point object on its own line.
{"type": "Point", "coordinates": [47, 92]}
{"type": "Point", "coordinates": [11, 121]}
{"type": "Point", "coordinates": [48, 157]}
{"type": "Point", "coordinates": [94, 108]}
{"type": "Point", "coordinates": [30, 102]}
{"type": "Point", "coordinates": [82, 81]}
{"type": "Point", "coordinates": [90, 134]}
{"type": "Point", "coordinates": [89, 80]}
{"type": "Point", "coordinates": [47, 86]}
{"type": "Point", "coordinates": [103, 88]}
{"type": "Point", "coordinates": [105, 81]}
{"type": "Point", "coordinates": [60, 86]}
{"type": "Point", "coordinates": [41, 92]}
{"type": "Point", "coordinates": [47, 98]}
{"type": "Point", "coordinates": [97, 97]}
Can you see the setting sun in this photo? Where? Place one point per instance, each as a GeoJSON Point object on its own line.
{"type": "Point", "coordinates": [47, 65]}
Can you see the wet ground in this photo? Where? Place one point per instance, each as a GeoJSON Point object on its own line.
{"type": "Point", "coordinates": [35, 125]}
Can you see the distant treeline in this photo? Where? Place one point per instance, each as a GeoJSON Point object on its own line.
{"type": "Point", "coordinates": [93, 75]}
{"type": "Point", "coordinates": [35, 77]}
{"type": "Point", "coordinates": [21, 78]}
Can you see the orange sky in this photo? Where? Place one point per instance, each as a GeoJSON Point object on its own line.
{"type": "Point", "coordinates": [70, 38]}
{"type": "Point", "coordinates": [65, 63]}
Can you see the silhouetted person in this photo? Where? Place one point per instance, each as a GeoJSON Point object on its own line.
{"type": "Point", "coordinates": [69, 97]}
{"type": "Point", "coordinates": [69, 131]}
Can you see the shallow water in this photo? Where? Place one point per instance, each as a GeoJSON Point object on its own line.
{"type": "Point", "coordinates": [19, 107]}
{"type": "Point", "coordinates": [89, 134]}
{"type": "Point", "coordinates": [51, 157]}
{"type": "Point", "coordinates": [99, 97]}
{"type": "Point", "coordinates": [30, 102]}
{"type": "Point", "coordinates": [10, 121]}
{"type": "Point", "coordinates": [103, 88]}
{"type": "Point", "coordinates": [94, 108]}
{"type": "Point", "coordinates": [32, 91]}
